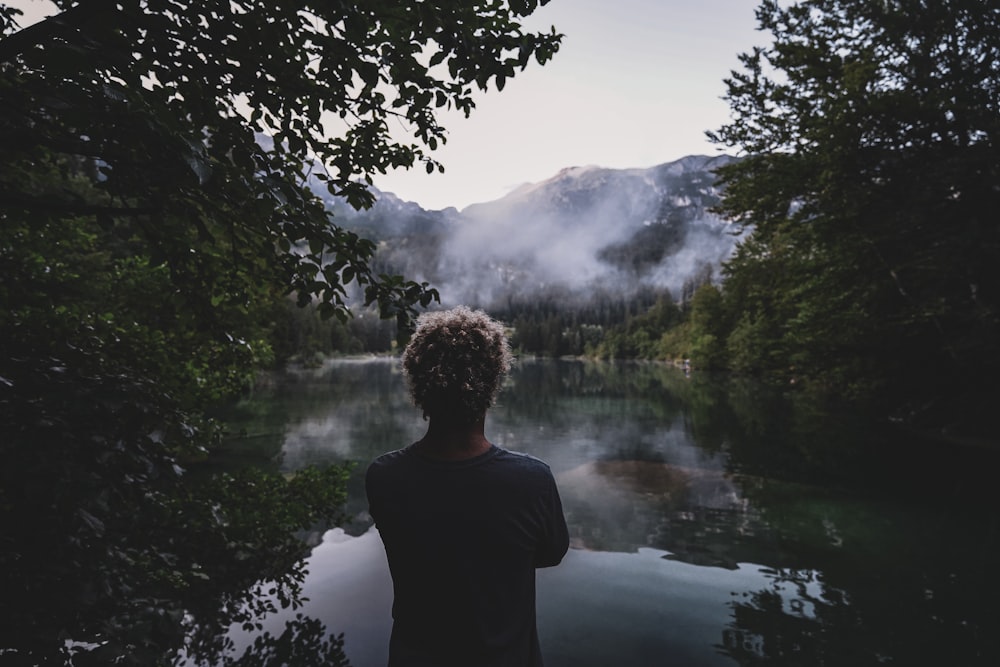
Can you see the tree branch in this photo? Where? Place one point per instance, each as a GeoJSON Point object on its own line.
{"type": "Point", "coordinates": [58, 25]}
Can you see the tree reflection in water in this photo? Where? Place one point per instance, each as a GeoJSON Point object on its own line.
{"type": "Point", "coordinates": [801, 620]}
{"type": "Point", "coordinates": [304, 642]}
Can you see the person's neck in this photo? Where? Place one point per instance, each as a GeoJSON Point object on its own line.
{"type": "Point", "coordinates": [451, 440]}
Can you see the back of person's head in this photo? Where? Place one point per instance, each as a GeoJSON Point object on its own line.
{"type": "Point", "coordinates": [455, 363]}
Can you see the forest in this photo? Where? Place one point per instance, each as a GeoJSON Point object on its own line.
{"type": "Point", "coordinates": [868, 180]}
{"type": "Point", "coordinates": [155, 257]}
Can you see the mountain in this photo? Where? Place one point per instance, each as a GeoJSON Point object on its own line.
{"type": "Point", "coordinates": [586, 229]}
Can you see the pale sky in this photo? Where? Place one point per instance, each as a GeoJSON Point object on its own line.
{"type": "Point", "coordinates": [636, 83]}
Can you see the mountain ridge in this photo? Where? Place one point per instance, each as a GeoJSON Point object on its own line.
{"type": "Point", "coordinates": [583, 229]}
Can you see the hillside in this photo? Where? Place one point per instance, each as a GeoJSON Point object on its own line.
{"type": "Point", "coordinates": [586, 229]}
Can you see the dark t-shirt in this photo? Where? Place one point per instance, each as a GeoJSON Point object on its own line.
{"type": "Point", "coordinates": [463, 539]}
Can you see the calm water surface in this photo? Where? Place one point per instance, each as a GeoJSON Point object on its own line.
{"type": "Point", "coordinates": [714, 521]}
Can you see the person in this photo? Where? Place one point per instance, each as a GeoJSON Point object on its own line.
{"type": "Point", "coordinates": [464, 523]}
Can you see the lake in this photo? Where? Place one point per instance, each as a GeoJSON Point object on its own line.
{"type": "Point", "coordinates": [714, 520]}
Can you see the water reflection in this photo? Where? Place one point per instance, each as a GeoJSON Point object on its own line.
{"type": "Point", "coordinates": [715, 521]}
{"type": "Point", "coordinates": [694, 513]}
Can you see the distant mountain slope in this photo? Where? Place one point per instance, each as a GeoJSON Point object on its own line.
{"type": "Point", "coordinates": [584, 229]}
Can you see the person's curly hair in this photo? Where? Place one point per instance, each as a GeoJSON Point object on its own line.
{"type": "Point", "coordinates": [455, 363]}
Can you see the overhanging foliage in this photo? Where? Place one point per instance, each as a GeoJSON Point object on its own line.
{"type": "Point", "coordinates": [147, 232]}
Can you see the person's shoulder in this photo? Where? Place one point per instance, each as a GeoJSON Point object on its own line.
{"type": "Point", "coordinates": [389, 460]}
{"type": "Point", "coordinates": [522, 461]}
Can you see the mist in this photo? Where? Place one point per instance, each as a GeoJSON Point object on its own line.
{"type": "Point", "coordinates": [586, 230]}
{"type": "Point", "coordinates": [589, 229]}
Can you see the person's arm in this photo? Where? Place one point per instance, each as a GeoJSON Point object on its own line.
{"type": "Point", "coordinates": [555, 541]}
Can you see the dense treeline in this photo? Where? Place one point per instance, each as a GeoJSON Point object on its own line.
{"type": "Point", "coordinates": [558, 322]}
{"type": "Point", "coordinates": [301, 337]}
{"type": "Point", "coordinates": [872, 139]}
{"type": "Point", "coordinates": [616, 328]}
